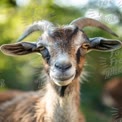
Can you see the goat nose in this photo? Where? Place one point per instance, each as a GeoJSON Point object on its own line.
{"type": "Point", "coordinates": [63, 66]}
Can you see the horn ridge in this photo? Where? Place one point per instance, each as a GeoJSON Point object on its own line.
{"type": "Point", "coordinates": [36, 26]}
{"type": "Point", "coordinates": [84, 22]}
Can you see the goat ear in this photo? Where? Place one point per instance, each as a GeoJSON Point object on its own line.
{"type": "Point", "coordinates": [22, 48]}
{"type": "Point", "coordinates": [103, 44]}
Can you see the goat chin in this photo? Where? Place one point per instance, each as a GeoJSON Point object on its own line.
{"type": "Point", "coordinates": [63, 83]}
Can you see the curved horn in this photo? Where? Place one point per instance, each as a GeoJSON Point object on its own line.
{"type": "Point", "coordinates": [83, 22]}
{"type": "Point", "coordinates": [36, 26]}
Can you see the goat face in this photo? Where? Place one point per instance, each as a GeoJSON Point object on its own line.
{"type": "Point", "coordinates": [63, 48]}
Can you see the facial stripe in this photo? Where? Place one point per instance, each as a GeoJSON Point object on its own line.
{"type": "Point", "coordinates": [78, 55]}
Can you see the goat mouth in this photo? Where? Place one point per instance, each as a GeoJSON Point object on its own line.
{"type": "Point", "coordinates": [63, 81]}
{"type": "Point", "coordinates": [63, 78]}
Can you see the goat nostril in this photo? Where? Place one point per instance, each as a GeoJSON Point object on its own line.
{"type": "Point", "coordinates": [63, 66]}
{"type": "Point", "coordinates": [68, 66]}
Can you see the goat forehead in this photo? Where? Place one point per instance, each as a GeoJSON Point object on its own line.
{"type": "Point", "coordinates": [66, 37]}
{"type": "Point", "coordinates": [64, 32]}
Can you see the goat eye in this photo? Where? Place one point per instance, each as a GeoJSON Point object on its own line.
{"type": "Point", "coordinates": [85, 45]}
{"type": "Point", "coordinates": [45, 53]}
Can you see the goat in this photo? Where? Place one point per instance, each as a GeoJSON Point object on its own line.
{"type": "Point", "coordinates": [112, 93]}
{"type": "Point", "coordinates": [112, 97]}
{"type": "Point", "coordinates": [63, 50]}
{"type": "Point", "coordinates": [9, 95]}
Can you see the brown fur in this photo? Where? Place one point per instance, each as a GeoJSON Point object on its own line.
{"type": "Point", "coordinates": [44, 107]}
{"type": "Point", "coordinates": [9, 95]}
{"type": "Point", "coordinates": [113, 90]}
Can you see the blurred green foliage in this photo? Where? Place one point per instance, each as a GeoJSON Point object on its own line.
{"type": "Point", "coordinates": [23, 72]}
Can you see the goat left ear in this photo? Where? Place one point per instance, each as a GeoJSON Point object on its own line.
{"type": "Point", "coordinates": [21, 48]}
{"type": "Point", "coordinates": [103, 44]}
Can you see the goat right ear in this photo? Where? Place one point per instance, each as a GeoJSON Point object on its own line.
{"type": "Point", "coordinates": [21, 48]}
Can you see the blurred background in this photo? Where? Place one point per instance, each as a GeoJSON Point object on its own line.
{"type": "Point", "coordinates": [24, 73]}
